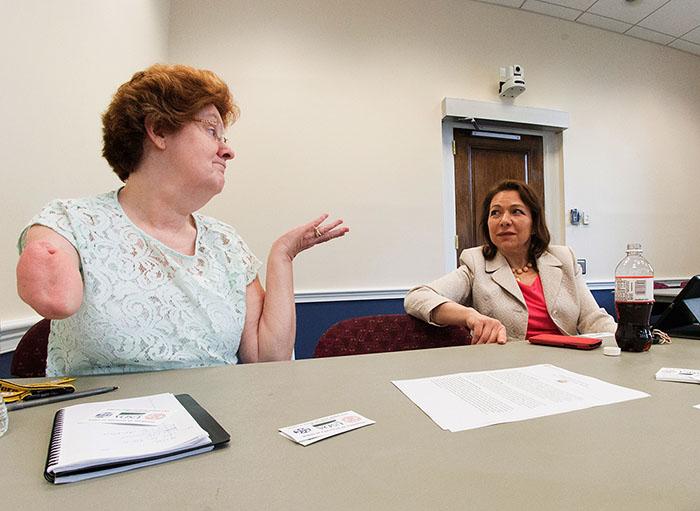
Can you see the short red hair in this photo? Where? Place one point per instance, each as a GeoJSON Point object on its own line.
{"type": "Point", "coordinates": [169, 96]}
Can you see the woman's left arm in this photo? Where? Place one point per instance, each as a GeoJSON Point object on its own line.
{"type": "Point", "coordinates": [270, 323]}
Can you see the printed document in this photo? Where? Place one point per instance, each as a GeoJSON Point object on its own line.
{"type": "Point", "coordinates": [461, 401]}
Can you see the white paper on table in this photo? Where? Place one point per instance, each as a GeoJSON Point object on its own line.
{"type": "Point", "coordinates": [461, 401]}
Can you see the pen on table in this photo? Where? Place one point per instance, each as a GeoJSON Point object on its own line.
{"type": "Point", "coordinates": [55, 399]}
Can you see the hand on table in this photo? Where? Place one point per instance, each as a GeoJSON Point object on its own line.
{"type": "Point", "coordinates": [485, 329]}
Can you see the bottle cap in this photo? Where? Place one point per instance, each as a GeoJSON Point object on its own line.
{"type": "Point", "coordinates": [611, 351]}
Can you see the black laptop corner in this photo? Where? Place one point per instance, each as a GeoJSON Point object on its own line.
{"type": "Point", "coordinates": [682, 317]}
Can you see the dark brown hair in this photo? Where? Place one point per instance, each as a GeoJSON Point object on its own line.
{"type": "Point", "coordinates": [540, 234]}
{"type": "Point", "coordinates": [167, 95]}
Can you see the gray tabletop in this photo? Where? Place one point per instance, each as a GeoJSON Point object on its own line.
{"type": "Point", "coordinates": [641, 454]}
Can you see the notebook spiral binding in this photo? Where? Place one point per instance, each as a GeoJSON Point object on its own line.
{"type": "Point", "coordinates": [56, 434]}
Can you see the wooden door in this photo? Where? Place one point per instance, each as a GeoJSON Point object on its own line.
{"type": "Point", "coordinates": [480, 163]}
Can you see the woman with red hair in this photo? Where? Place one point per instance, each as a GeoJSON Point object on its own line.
{"type": "Point", "coordinates": [135, 279]}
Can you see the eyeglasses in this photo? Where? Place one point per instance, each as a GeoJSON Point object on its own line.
{"type": "Point", "coordinates": [214, 129]}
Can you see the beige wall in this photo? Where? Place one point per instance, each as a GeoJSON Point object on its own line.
{"type": "Point", "coordinates": [341, 113]}
{"type": "Point", "coordinates": [61, 62]}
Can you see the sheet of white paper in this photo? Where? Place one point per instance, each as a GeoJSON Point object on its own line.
{"type": "Point", "coordinates": [461, 401]}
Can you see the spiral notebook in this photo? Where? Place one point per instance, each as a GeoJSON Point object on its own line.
{"type": "Point", "coordinates": [95, 439]}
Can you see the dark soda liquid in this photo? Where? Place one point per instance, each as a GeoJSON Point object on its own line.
{"type": "Point", "coordinates": [633, 331]}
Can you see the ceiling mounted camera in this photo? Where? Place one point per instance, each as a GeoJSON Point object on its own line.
{"type": "Point", "coordinates": [512, 83]}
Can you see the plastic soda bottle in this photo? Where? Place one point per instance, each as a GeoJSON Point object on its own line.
{"type": "Point", "coordinates": [634, 299]}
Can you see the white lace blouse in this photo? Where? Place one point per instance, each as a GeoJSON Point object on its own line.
{"type": "Point", "coordinates": [145, 306]}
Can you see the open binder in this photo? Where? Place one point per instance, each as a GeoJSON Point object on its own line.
{"type": "Point", "coordinates": [82, 449]}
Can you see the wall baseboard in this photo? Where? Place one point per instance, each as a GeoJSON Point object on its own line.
{"type": "Point", "coordinates": [392, 294]}
{"type": "Point", "coordinates": [12, 331]}
{"type": "Point", "coordinates": [347, 296]}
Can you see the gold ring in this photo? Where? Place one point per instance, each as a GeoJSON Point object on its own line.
{"type": "Point", "coordinates": [318, 233]}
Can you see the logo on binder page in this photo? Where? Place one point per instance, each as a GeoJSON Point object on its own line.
{"type": "Point", "coordinates": [135, 417]}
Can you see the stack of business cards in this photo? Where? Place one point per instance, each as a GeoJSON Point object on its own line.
{"type": "Point", "coordinates": [677, 374]}
{"type": "Point", "coordinates": [309, 432]}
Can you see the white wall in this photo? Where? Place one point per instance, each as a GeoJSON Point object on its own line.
{"type": "Point", "coordinates": [61, 62]}
{"type": "Point", "coordinates": [341, 113]}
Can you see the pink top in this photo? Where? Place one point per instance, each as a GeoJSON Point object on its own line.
{"type": "Point", "coordinates": [538, 321]}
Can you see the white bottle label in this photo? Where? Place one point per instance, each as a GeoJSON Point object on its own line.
{"type": "Point", "coordinates": [634, 289]}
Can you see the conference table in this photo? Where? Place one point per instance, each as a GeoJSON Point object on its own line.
{"type": "Point", "coordinates": [640, 454]}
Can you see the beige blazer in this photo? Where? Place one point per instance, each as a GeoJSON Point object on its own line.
{"type": "Point", "coordinates": [491, 289]}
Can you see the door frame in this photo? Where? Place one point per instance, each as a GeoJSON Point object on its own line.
{"type": "Point", "coordinates": [552, 142]}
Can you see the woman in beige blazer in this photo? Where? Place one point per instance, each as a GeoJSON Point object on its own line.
{"type": "Point", "coordinates": [517, 284]}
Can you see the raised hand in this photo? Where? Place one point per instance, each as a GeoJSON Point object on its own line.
{"type": "Point", "coordinates": [308, 235]}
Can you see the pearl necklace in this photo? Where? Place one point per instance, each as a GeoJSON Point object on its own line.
{"type": "Point", "coordinates": [519, 271]}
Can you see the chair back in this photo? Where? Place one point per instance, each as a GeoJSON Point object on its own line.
{"type": "Point", "coordinates": [29, 358]}
{"type": "Point", "coordinates": [387, 332]}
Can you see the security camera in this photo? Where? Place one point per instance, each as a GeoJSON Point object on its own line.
{"type": "Point", "coordinates": [512, 81]}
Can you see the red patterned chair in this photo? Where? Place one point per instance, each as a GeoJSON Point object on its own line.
{"type": "Point", "coordinates": [388, 332]}
{"type": "Point", "coordinates": [29, 358]}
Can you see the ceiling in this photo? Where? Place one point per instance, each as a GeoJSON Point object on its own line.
{"type": "Point", "coordinates": [674, 23]}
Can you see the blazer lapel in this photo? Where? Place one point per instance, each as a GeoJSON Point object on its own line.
{"type": "Point", "coordinates": [550, 275]}
{"type": "Point", "coordinates": [502, 275]}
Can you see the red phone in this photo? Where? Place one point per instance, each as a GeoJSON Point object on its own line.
{"type": "Point", "coordinates": [566, 341]}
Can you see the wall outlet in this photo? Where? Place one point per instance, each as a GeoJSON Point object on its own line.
{"type": "Point", "coordinates": [582, 264]}
{"type": "Point", "coordinates": [575, 216]}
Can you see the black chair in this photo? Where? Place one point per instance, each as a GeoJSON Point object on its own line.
{"type": "Point", "coordinates": [29, 358]}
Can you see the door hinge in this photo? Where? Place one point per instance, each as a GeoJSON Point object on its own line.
{"type": "Point", "coordinates": [454, 147]}
{"type": "Point", "coordinates": [456, 242]}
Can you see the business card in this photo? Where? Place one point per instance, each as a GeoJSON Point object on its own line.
{"type": "Point", "coordinates": [678, 374]}
{"type": "Point", "coordinates": [138, 417]}
{"type": "Point", "coordinates": [309, 432]}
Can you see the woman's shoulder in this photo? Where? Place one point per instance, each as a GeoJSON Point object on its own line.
{"type": "Point", "coordinates": [77, 211]}
{"type": "Point", "coordinates": [218, 233]}
{"type": "Point", "coordinates": [560, 251]}
{"type": "Point", "coordinates": [471, 256]}
{"type": "Point", "coordinates": [563, 253]}
{"type": "Point", "coordinates": [92, 202]}
{"type": "Point", "coordinates": [214, 225]}
{"type": "Point", "coordinates": [223, 238]}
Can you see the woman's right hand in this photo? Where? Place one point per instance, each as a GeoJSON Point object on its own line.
{"type": "Point", "coordinates": [485, 329]}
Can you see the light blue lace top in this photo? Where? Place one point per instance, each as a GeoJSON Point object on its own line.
{"type": "Point", "coordinates": [145, 306]}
